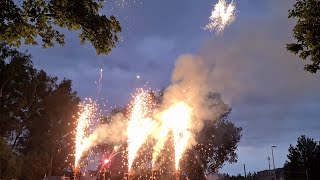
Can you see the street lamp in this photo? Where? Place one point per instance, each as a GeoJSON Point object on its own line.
{"type": "Point", "coordinates": [274, 167]}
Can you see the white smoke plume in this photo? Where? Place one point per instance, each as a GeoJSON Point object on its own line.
{"type": "Point", "coordinates": [191, 85]}
{"type": "Point", "coordinates": [113, 133]}
{"type": "Point", "coordinates": [191, 82]}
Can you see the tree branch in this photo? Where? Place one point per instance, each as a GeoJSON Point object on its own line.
{"type": "Point", "coordinates": [3, 87]}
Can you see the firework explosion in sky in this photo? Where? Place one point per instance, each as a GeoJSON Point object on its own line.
{"type": "Point", "coordinates": [222, 15]}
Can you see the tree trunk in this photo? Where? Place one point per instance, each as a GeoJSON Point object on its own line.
{"type": "Point", "coordinates": [15, 140]}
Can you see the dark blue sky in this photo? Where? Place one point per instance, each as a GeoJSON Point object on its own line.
{"type": "Point", "coordinates": [272, 98]}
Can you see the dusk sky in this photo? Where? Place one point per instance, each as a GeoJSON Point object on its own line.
{"type": "Point", "coordinates": [272, 98]}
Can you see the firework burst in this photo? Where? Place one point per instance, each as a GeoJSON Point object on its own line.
{"type": "Point", "coordinates": [222, 15]}
{"type": "Point", "coordinates": [140, 125]}
{"type": "Point", "coordinates": [179, 116]}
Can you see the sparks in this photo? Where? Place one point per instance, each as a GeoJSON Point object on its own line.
{"type": "Point", "coordinates": [123, 4]}
{"type": "Point", "coordinates": [222, 15]}
{"type": "Point", "coordinates": [179, 116]}
{"type": "Point", "coordinates": [106, 161]}
{"type": "Point", "coordinates": [140, 126]}
{"type": "Point", "coordinates": [161, 137]}
{"type": "Point", "coordinates": [86, 115]}
{"type": "Point", "coordinates": [99, 83]}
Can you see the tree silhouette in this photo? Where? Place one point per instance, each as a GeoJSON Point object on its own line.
{"type": "Point", "coordinates": [23, 21]}
{"type": "Point", "coordinates": [36, 115]}
{"type": "Point", "coordinates": [303, 159]}
{"type": "Point", "coordinates": [306, 33]}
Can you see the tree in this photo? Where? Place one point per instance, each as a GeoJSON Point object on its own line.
{"type": "Point", "coordinates": [36, 115]}
{"type": "Point", "coordinates": [306, 32]}
{"type": "Point", "coordinates": [303, 159]}
{"type": "Point", "coordinates": [28, 19]}
{"type": "Point", "coordinates": [9, 163]}
{"type": "Point", "coordinates": [217, 142]}
{"type": "Point", "coordinates": [16, 74]}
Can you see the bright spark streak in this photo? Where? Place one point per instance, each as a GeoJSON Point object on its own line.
{"type": "Point", "coordinates": [140, 126]}
{"type": "Point", "coordinates": [179, 116]}
{"type": "Point", "coordinates": [122, 3]}
{"type": "Point", "coordinates": [161, 137]}
{"type": "Point", "coordinates": [99, 83]}
{"type": "Point", "coordinates": [100, 77]}
{"type": "Point", "coordinates": [86, 115]}
{"type": "Point", "coordinates": [106, 161]}
{"type": "Point", "coordinates": [222, 15]}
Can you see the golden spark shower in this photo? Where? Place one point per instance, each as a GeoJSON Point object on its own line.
{"type": "Point", "coordinates": [140, 126]}
{"type": "Point", "coordinates": [86, 116]}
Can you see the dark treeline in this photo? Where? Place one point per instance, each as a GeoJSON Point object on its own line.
{"type": "Point", "coordinates": [36, 118]}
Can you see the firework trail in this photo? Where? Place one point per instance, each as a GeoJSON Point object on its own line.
{"type": "Point", "coordinates": [140, 126]}
{"type": "Point", "coordinates": [123, 4]}
{"type": "Point", "coordinates": [161, 138]}
{"type": "Point", "coordinates": [86, 116]}
{"type": "Point", "coordinates": [107, 160]}
{"type": "Point", "coordinates": [177, 119]}
{"type": "Point", "coordinates": [140, 78]}
{"type": "Point", "coordinates": [99, 83]}
{"type": "Point", "coordinates": [114, 152]}
{"type": "Point", "coordinates": [222, 15]}
{"type": "Point", "coordinates": [179, 116]}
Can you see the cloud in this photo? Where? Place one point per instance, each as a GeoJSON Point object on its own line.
{"type": "Point", "coordinates": [272, 97]}
{"type": "Point", "coordinates": [155, 47]}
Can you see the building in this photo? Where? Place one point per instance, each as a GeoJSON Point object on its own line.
{"type": "Point", "coordinates": [269, 174]}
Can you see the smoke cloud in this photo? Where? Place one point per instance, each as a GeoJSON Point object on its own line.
{"type": "Point", "coordinates": [113, 133]}
{"type": "Point", "coordinates": [191, 83]}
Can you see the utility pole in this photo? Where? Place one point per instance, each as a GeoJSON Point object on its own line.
{"type": "Point", "coordinates": [274, 167]}
{"type": "Point", "coordinates": [269, 165]}
{"type": "Point", "coordinates": [307, 174]}
{"type": "Point", "coordinates": [245, 172]}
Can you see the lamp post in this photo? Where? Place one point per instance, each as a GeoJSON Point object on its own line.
{"type": "Point", "coordinates": [245, 172]}
{"type": "Point", "coordinates": [274, 167]}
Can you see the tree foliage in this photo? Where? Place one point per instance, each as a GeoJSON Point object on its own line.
{"type": "Point", "coordinates": [26, 20]}
{"type": "Point", "coordinates": [10, 165]}
{"type": "Point", "coordinates": [36, 115]}
{"type": "Point", "coordinates": [303, 159]}
{"type": "Point", "coordinates": [306, 32]}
